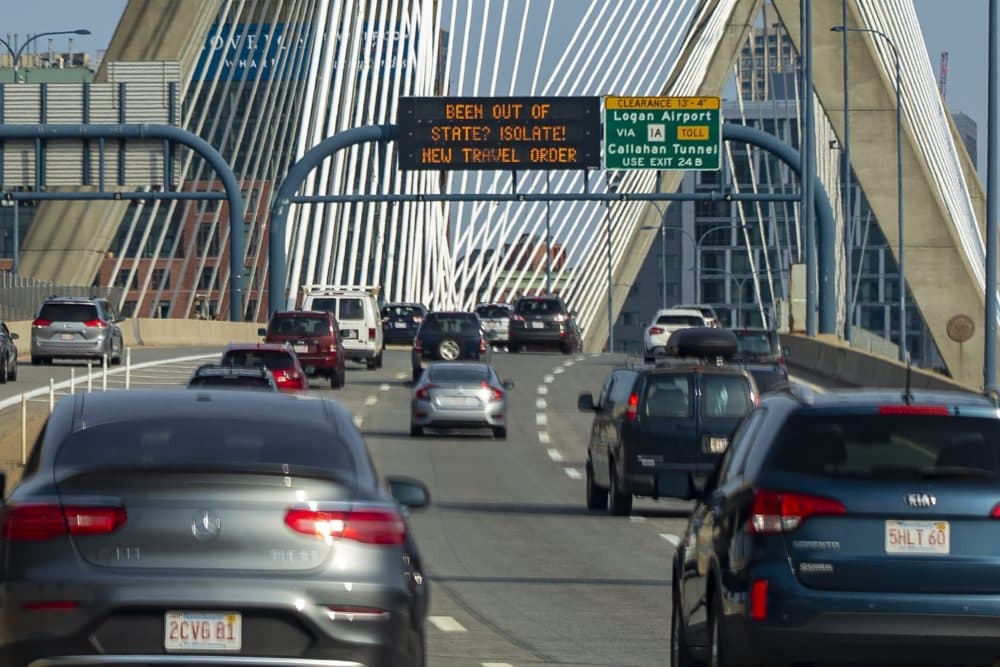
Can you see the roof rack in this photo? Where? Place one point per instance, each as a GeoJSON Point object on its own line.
{"type": "Point", "coordinates": [374, 290]}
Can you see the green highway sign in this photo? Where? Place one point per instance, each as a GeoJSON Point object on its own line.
{"type": "Point", "coordinates": [665, 133]}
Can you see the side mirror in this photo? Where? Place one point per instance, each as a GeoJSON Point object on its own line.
{"type": "Point", "coordinates": [409, 492]}
{"type": "Point", "coordinates": [508, 384]}
{"type": "Point", "coordinates": [14, 336]}
{"type": "Point", "coordinates": [585, 402]}
{"type": "Point", "coordinates": [262, 332]}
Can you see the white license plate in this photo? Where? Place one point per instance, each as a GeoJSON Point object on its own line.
{"type": "Point", "coordinates": [300, 348]}
{"type": "Point", "coordinates": [203, 631]}
{"type": "Point", "coordinates": [349, 333]}
{"type": "Point", "coordinates": [917, 537]}
{"type": "Point", "coordinates": [400, 325]}
{"type": "Point", "coordinates": [459, 402]}
{"type": "Point", "coordinates": [67, 336]}
{"type": "Point", "coordinates": [538, 325]}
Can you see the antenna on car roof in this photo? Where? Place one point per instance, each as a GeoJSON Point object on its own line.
{"type": "Point", "coordinates": [907, 394]}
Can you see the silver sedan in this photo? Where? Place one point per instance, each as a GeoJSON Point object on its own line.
{"type": "Point", "coordinates": [461, 394]}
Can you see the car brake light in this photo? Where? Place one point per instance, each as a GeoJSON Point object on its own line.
{"type": "Point", "coordinates": [40, 322]}
{"type": "Point", "coordinates": [417, 319]}
{"type": "Point", "coordinates": [655, 331]}
{"type": "Point", "coordinates": [758, 600]}
{"type": "Point", "coordinates": [781, 361]}
{"type": "Point", "coordinates": [370, 526]}
{"type": "Point", "coordinates": [39, 522]}
{"type": "Point", "coordinates": [918, 410]}
{"type": "Point", "coordinates": [560, 318]}
{"type": "Point", "coordinates": [50, 605]}
{"type": "Point", "coordinates": [482, 345]}
{"type": "Point", "coordinates": [995, 512]}
{"type": "Point", "coordinates": [777, 512]}
{"type": "Point", "coordinates": [516, 318]}
{"type": "Point", "coordinates": [100, 324]}
{"type": "Point", "coordinates": [418, 345]}
{"type": "Point", "coordinates": [632, 410]}
{"type": "Point", "coordinates": [371, 333]}
{"type": "Point", "coordinates": [496, 392]}
{"type": "Point", "coordinates": [424, 393]}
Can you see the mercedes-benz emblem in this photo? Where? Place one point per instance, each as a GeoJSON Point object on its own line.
{"type": "Point", "coordinates": [206, 525]}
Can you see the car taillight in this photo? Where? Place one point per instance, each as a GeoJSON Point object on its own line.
{"type": "Point", "coordinates": [100, 324]}
{"type": "Point", "coordinates": [418, 345]}
{"type": "Point", "coordinates": [758, 600]}
{"type": "Point", "coordinates": [560, 318]}
{"type": "Point", "coordinates": [370, 526]}
{"type": "Point", "coordinates": [40, 322]}
{"type": "Point", "coordinates": [424, 393]}
{"type": "Point", "coordinates": [482, 345]}
{"type": "Point", "coordinates": [781, 361]}
{"type": "Point", "coordinates": [495, 392]}
{"type": "Point", "coordinates": [655, 331]}
{"type": "Point", "coordinates": [777, 512]}
{"type": "Point", "coordinates": [371, 332]}
{"type": "Point", "coordinates": [995, 513]}
{"type": "Point", "coordinates": [38, 522]}
{"type": "Point", "coordinates": [417, 319]}
{"type": "Point", "coordinates": [918, 410]}
{"type": "Point", "coordinates": [516, 318]}
{"type": "Point", "coordinates": [332, 348]}
{"type": "Point", "coordinates": [632, 410]}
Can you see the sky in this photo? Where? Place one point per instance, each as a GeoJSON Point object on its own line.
{"type": "Point", "coordinates": [956, 26]}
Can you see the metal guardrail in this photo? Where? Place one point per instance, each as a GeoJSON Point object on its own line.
{"type": "Point", "coordinates": [867, 341]}
{"type": "Point", "coordinates": [20, 295]}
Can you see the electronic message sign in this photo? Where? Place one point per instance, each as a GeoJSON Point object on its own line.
{"type": "Point", "coordinates": [507, 133]}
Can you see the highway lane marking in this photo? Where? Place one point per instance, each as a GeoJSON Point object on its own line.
{"type": "Point", "coordinates": [567, 364]}
{"type": "Point", "coordinates": [446, 624]}
{"type": "Point", "coordinates": [402, 376]}
{"type": "Point", "coordinates": [558, 371]}
{"type": "Point", "coordinates": [541, 419]}
{"type": "Point", "coordinates": [496, 664]}
{"type": "Point", "coordinates": [541, 404]}
{"type": "Point", "coordinates": [573, 473]}
{"type": "Point", "coordinates": [543, 437]}
{"type": "Point", "coordinates": [359, 421]}
{"type": "Point", "coordinates": [555, 455]}
{"type": "Point", "coordinates": [549, 379]}
{"type": "Point", "coordinates": [371, 400]}
{"type": "Point", "coordinates": [580, 358]}
{"type": "Point", "coordinates": [809, 385]}
{"type": "Point", "coordinates": [637, 519]}
{"type": "Point", "coordinates": [671, 538]}
{"type": "Point", "coordinates": [385, 387]}
{"type": "Point", "coordinates": [542, 390]}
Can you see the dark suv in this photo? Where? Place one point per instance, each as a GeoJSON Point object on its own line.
{"type": "Point", "coordinates": [761, 354]}
{"type": "Point", "coordinates": [448, 336]}
{"type": "Point", "coordinates": [76, 327]}
{"type": "Point", "coordinates": [400, 321]}
{"type": "Point", "coordinates": [848, 527]}
{"type": "Point", "coordinates": [658, 430]}
{"type": "Point", "coordinates": [315, 338]}
{"type": "Point", "coordinates": [545, 321]}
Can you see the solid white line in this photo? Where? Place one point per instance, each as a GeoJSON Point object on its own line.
{"type": "Point", "coordinates": [543, 437]}
{"type": "Point", "coordinates": [673, 539]}
{"type": "Point", "coordinates": [541, 419]}
{"type": "Point", "coordinates": [358, 420]}
{"type": "Point", "coordinates": [496, 664]}
{"type": "Point", "coordinates": [542, 390]}
{"type": "Point", "coordinates": [385, 387]}
{"type": "Point", "coordinates": [541, 404]}
{"type": "Point", "coordinates": [548, 379]}
{"type": "Point", "coordinates": [446, 624]}
{"type": "Point", "coordinates": [555, 455]}
{"type": "Point", "coordinates": [809, 385]}
{"type": "Point", "coordinates": [371, 400]}
{"type": "Point", "coordinates": [573, 473]}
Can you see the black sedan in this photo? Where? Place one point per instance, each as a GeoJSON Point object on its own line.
{"type": "Point", "coordinates": [8, 354]}
{"type": "Point", "coordinates": [448, 336]}
{"type": "Point", "coordinates": [208, 527]}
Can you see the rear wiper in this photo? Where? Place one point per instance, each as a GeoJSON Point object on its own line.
{"type": "Point", "coordinates": [943, 472]}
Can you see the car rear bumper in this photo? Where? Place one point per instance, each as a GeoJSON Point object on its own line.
{"type": "Point", "coordinates": [423, 413]}
{"type": "Point", "coordinates": [399, 335]}
{"type": "Point", "coordinates": [670, 480]}
{"type": "Point", "coordinates": [66, 349]}
{"type": "Point", "coordinates": [360, 353]}
{"type": "Point", "coordinates": [546, 336]}
{"type": "Point", "coordinates": [318, 363]}
{"type": "Point", "coordinates": [179, 660]}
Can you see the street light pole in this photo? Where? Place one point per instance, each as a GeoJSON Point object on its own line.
{"type": "Point", "coordinates": [16, 55]}
{"type": "Point", "coordinates": [900, 261]}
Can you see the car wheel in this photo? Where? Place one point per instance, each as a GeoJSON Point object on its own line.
{"type": "Point", "coordinates": [716, 643]}
{"type": "Point", "coordinates": [116, 357]}
{"type": "Point", "coordinates": [13, 369]}
{"type": "Point", "coordinates": [36, 361]}
{"type": "Point", "coordinates": [416, 431]}
{"type": "Point", "coordinates": [378, 359]}
{"type": "Point", "coordinates": [680, 653]}
{"type": "Point", "coordinates": [566, 348]}
{"type": "Point", "coordinates": [597, 497]}
{"type": "Point", "coordinates": [500, 432]}
{"type": "Point", "coordinates": [416, 375]}
{"type": "Point", "coordinates": [449, 349]}
{"type": "Point", "coordinates": [619, 504]}
{"type": "Point", "coordinates": [336, 380]}
{"type": "Point", "coordinates": [3, 372]}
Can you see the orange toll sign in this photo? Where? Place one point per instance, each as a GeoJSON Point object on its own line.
{"type": "Point", "coordinates": [499, 133]}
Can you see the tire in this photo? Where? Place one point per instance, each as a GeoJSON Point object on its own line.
{"type": "Point", "coordinates": [416, 375]}
{"type": "Point", "coordinates": [716, 644]}
{"type": "Point", "coordinates": [416, 431]}
{"type": "Point", "coordinates": [36, 361]}
{"type": "Point", "coordinates": [449, 349]}
{"type": "Point", "coordinates": [116, 359]}
{"type": "Point", "coordinates": [3, 372]}
{"type": "Point", "coordinates": [566, 348]}
{"type": "Point", "coordinates": [378, 359]}
{"type": "Point", "coordinates": [336, 379]}
{"type": "Point", "coordinates": [619, 504]}
{"type": "Point", "coordinates": [513, 349]}
{"type": "Point", "coordinates": [597, 497]}
{"type": "Point", "coordinates": [13, 370]}
{"type": "Point", "coordinates": [680, 652]}
{"type": "Point", "coordinates": [500, 432]}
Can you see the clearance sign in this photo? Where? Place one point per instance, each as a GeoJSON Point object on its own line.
{"type": "Point", "coordinates": [665, 133]}
{"type": "Point", "coordinates": [504, 133]}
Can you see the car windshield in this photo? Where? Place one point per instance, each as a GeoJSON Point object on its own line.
{"type": "Point", "coordinates": [259, 358]}
{"type": "Point", "coordinates": [230, 381]}
{"type": "Point", "coordinates": [539, 307]}
{"type": "Point", "coordinates": [682, 320]}
{"type": "Point", "coordinates": [757, 344]}
{"type": "Point", "coordinates": [172, 443]}
{"type": "Point", "coordinates": [300, 326]}
{"type": "Point", "coordinates": [459, 374]}
{"type": "Point", "coordinates": [68, 312]}
{"type": "Point", "coordinates": [889, 447]}
{"type": "Point", "coordinates": [725, 396]}
{"type": "Point", "coordinates": [493, 311]}
{"type": "Point", "coordinates": [668, 397]}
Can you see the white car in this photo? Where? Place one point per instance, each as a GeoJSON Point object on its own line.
{"type": "Point", "coordinates": [705, 309]}
{"type": "Point", "coordinates": [665, 322]}
{"type": "Point", "coordinates": [358, 316]}
{"type": "Point", "coordinates": [495, 318]}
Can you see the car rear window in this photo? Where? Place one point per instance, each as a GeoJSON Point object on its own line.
{"type": "Point", "coordinates": [209, 441]}
{"type": "Point", "coordinates": [68, 312]}
{"type": "Point", "coordinates": [454, 324]}
{"type": "Point", "coordinates": [725, 396]}
{"type": "Point", "coordinates": [351, 309]}
{"type": "Point", "coordinates": [683, 320]}
{"type": "Point", "coordinates": [300, 326]}
{"type": "Point", "coordinates": [888, 447]}
{"type": "Point", "coordinates": [236, 382]}
{"type": "Point", "coordinates": [539, 307]}
{"type": "Point", "coordinates": [258, 359]}
{"type": "Point", "coordinates": [493, 311]}
{"type": "Point", "coordinates": [329, 304]}
{"type": "Point", "coordinates": [401, 311]}
{"type": "Point", "coordinates": [459, 374]}
{"type": "Point", "coordinates": [757, 344]}
{"type": "Point", "coordinates": [668, 397]}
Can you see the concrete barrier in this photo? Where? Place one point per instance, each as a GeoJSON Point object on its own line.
{"type": "Point", "coordinates": [830, 358]}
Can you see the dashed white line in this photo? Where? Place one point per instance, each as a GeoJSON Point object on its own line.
{"type": "Point", "coordinates": [496, 664]}
{"type": "Point", "coordinates": [637, 519]}
{"type": "Point", "coordinates": [555, 455]}
{"type": "Point", "coordinates": [371, 400]}
{"type": "Point", "coordinates": [446, 624]}
{"type": "Point", "coordinates": [402, 376]}
{"type": "Point", "coordinates": [359, 421]}
{"type": "Point", "coordinates": [548, 379]}
{"type": "Point", "coordinates": [543, 437]}
{"type": "Point", "coordinates": [567, 364]}
{"type": "Point", "coordinates": [558, 371]}
{"type": "Point", "coordinates": [541, 404]}
{"type": "Point", "coordinates": [541, 419]}
{"type": "Point", "coordinates": [543, 390]}
{"type": "Point", "coordinates": [384, 387]}
{"type": "Point", "coordinates": [580, 358]}
{"type": "Point", "coordinates": [671, 538]}
{"type": "Point", "coordinates": [573, 473]}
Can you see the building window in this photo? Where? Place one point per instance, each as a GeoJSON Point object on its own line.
{"type": "Point", "coordinates": [122, 279]}
{"type": "Point", "coordinates": [628, 319]}
{"type": "Point", "coordinates": [713, 291]}
{"type": "Point", "coordinates": [206, 280]}
{"type": "Point", "coordinates": [128, 309]}
{"type": "Point", "coordinates": [208, 239]}
{"type": "Point", "coordinates": [161, 279]}
{"type": "Point", "coordinates": [162, 309]}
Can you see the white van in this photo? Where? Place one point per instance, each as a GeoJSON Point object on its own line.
{"type": "Point", "coordinates": [357, 311]}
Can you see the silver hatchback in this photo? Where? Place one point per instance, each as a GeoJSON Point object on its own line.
{"type": "Point", "coordinates": [461, 394]}
{"type": "Point", "coordinates": [76, 327]}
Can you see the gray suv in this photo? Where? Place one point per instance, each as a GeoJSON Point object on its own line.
{"type": "Point", "coordinates": [73, 327]}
